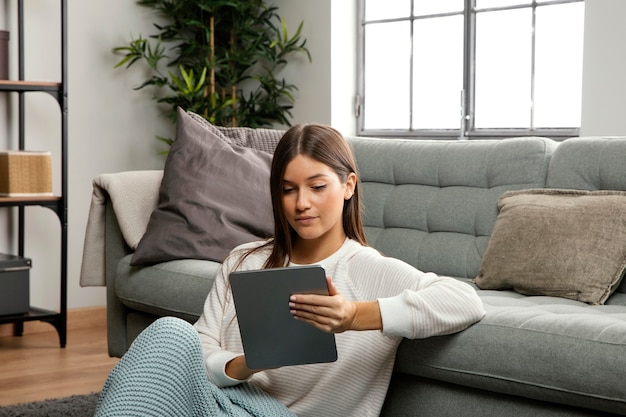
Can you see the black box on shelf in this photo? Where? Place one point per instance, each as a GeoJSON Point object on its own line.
{"type": "Point", "coordinates": [14, 284]}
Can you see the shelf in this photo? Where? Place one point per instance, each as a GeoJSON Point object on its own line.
{"type": "Point", "coordinates": [56, 203]}
{"type": "Point", "coordinates": [55, 318]}
{"type": "Point", "coordinates": [19, 85]}
{"type": "Point", "coordinates": [34, 314]}
{"type": "Point", "coordinates": [28, 201]}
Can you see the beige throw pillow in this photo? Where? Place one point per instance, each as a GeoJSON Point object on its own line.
{"type": "Point", "coordinates": [563, 243]}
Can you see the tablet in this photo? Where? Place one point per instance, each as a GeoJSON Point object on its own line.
{"type": "Point", "coordinates": [270, 335]}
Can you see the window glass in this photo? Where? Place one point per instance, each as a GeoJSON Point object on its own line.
{"type": "Point", "coordinates": [503, 69]}
{"type": "Point", "coordinates": [521, 69]}
{"type": "Point", "coordinates": [558, 66]}
{"type": "Point", "coordinates": [386, 9]}
{"type": "Point", "coordinates": [438, 72]}
{"type": "Point", "coordinates": [435, 7]}
{"type": "Point", "coordinates": [387, 75]}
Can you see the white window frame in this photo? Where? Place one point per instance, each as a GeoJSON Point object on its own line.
{"type": "Point", "coordinates": [466, 129]}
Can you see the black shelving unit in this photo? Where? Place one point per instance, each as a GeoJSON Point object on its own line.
{"type": "Point", "coordinates": [57, 203]}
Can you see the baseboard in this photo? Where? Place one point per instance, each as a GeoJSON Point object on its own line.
{"type": "Point", "coordinates": [77, 318]}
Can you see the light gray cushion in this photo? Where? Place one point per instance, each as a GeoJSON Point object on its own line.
{"type": "Point", "coordinates": [547, 348]}
{"type": "Point", "coordinates": [589, 163]}
{"type": "Point", "coordinates": [175, 288]}
{"type": "Point", "coordinates": [433, 204]}
{"type": "Point", "coordinates": [213, 197]}
{"type": "Point", "coordinates": [563, 243]}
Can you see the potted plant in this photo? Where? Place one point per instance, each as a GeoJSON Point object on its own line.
{"type": "Point", "coordinates": [220, 59]}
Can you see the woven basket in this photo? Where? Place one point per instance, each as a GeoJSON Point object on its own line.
{"type": "Point", "coordinates": [25, 174]}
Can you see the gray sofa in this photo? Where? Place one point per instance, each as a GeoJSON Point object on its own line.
{"type": "Point", "coordinates": [433, 204]}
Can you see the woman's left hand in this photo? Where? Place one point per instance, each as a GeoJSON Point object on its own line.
{"type": "Point", "coordinates": [333, 313]}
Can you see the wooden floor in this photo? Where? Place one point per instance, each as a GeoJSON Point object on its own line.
{"type": "Point", "coordinates": [34, 366]}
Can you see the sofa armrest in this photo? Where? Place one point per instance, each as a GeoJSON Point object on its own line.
{"type": "Point", "coordinates": [133, 196]}
{"type": "Point", "coordinates": [115, 249]}
{"type": "Point", "coordinates": [119, 213]}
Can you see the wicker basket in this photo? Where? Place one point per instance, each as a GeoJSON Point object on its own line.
{"type": "Point", "coordinates": [25, 174]}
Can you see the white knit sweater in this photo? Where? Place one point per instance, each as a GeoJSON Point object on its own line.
{"type": "Point", "coordinates": [413, 304]}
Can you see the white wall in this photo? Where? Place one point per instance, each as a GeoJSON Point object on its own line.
{"type": "Point", "coordinates": [112, 127]}
{"type": "Point", "coordinates": [313, 96]}
{"type": "Point", "coordinates": [327, 86]}
{"type": "Point", "coordinates": [604, 69]}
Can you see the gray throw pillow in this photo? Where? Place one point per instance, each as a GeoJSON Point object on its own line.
{"type": "Point", "coordinates": [213, 197]}
{"type": "Point", "coordinates": [562, 243]}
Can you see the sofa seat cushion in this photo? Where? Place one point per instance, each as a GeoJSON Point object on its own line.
{"type": "Point", "coordinates": [174, 288]}
{"type": "Point", "coordinates": [539, 347]}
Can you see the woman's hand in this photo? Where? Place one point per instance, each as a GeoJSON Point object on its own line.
{"type": "Point", "coordinates": [333, 313]}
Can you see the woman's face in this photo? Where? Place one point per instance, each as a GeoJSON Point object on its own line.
{"type": "Point", "coordinates": [313, 197]}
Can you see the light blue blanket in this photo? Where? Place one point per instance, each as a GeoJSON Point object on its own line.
{"type": "Point", "coordinates": [163, 374]}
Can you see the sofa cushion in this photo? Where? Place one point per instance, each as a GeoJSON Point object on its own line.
{"type": "Point", "coordinates": [589, 163]}
{"type": "Point", "coordinates": [433, 203]}
{"type": "Point", "coordinates": [564, 243]}
{"type": "Point", "coordinates": [175, 288]}
{"type": "Point", "coordinates": [213, 197]}
{"type": "Point", "coordinates": [540, 347]}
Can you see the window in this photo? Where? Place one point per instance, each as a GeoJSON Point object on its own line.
{"type": "Point", "coordinates": [470, 68]}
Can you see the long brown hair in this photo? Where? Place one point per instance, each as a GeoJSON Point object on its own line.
{"type": "Point", "coordinates": [323, 144]}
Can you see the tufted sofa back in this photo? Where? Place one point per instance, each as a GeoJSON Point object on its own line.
{"type": "Point", "coordinates": [590, 163]}
{"type": "Point", "coordinates": [433, 204]}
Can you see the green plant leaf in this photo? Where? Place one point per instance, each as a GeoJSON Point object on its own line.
{"type": "Point", "coordinates": [251, 44]}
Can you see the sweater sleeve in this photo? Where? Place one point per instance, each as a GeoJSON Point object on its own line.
{"type": "Point", "coordinates": [208, 327]}
{"type": "Point", "coordinates": [414, 304]}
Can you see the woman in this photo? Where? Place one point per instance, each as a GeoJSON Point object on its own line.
{"type": "Point", "coordinates": [373, 302]}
